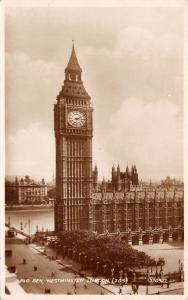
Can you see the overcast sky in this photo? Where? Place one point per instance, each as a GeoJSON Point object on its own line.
{"type": "Point", "coordinates": [132, 61]}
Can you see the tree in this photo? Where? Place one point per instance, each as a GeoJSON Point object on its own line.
{"type": "Point", "coordinates": [106, 249]}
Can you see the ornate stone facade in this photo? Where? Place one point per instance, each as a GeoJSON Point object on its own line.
{"type": "Point", "coordinates": [82, 202]}
{"type": "Point", "coordinates": [120, 212]}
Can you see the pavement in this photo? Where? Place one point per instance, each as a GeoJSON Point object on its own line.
{"type": "Point", "coordinates": [50, 274]}
{"type": "Point", "coordinates": [65, 273]}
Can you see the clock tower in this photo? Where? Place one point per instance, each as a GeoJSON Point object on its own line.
{"type": "Point", "coordinates": [73, 133]}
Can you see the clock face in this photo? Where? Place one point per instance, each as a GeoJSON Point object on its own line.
{"type": "Point", "coordinates": [76, 118]}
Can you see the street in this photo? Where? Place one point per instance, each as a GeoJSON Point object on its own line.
{"type": "Point", "coordinates": [49, 274]}
{"type": "Point", "coordinates": [60, 276]}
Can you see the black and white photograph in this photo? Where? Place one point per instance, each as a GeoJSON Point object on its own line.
{"type": "Point", "coordinates": [94, 148]}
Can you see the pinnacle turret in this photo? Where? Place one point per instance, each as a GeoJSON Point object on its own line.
{"type": "Point", "coordinates": [96, 169]}
{"type": "Point", "coordinates": [73, 64]}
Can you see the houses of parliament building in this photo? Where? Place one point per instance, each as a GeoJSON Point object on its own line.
{"type": "Point", "coordinates": [120, 205]}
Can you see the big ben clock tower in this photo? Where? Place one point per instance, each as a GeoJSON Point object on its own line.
{"type": "Point", "coordinates": [73, 134]}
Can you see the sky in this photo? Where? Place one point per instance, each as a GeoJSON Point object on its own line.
{"type": "Point", "coordinates": [132, 62]}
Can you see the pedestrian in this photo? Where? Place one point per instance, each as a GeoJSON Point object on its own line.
{"type": "Point", "coordinates": [47, 291]}
{"type": "Point", "coordinates": [99, 282]}
{"type": "Point", "coordinates": [161, 278]}
{"type": "Point", "coordinates": [52, 274]}
{"type": "Point", "coordinates": [134, 288]}
{"type": "Point", "coordinates": [120, 291]}
{"type": "Point", "coordinates": [35, 268]}
{"type": "Point", "coordinates": [85, 285]}
{"type": "Point", "coordinates": [24, 261]}
{"type": "Point", "coordinates": [168, 282]}
{"type": "Point", "coordinates": [137, 287]}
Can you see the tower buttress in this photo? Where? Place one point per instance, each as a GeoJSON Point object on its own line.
{"type": "Point", "coordinates": [103, 186]}
{"type": "Point", "coordinates": [118, 179]}
{"type": "Point", "coordinates": [113, 177]}
{"type": "Point", "coordinates": [95, 179]}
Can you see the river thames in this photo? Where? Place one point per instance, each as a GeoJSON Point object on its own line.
{"type": "Point", "coordinates": [41, 218]}
{"type": "Point", "coordinates": [44, 219]}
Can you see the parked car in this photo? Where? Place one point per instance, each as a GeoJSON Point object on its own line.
{"type": "Point", "coordinates": [11, 233]}
{"type": "Point", "coordinates": [8, 252]}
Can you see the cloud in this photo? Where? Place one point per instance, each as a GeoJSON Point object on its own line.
{"type": "Point", "coordinates": [141, 64]}
{"type": "Point", "coordinates": [31, 151]}
{"type": "Point", "coordinates": [132, 59]}
{"type": "Point", "coordinates": [31, 89]}
{"type": "Point", "coordinates": [149, 135]}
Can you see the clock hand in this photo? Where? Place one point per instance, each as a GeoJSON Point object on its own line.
{"type": "Point", "coordinates": [78, 118]}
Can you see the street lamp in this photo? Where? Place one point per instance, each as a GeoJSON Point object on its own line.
{"type": "Point", "coordinates": [147, 282]}
{"type": "Point", "coordinates": [21, 225]}
{"type": "Point", "coordinates": [181, 272]}
{"type": "Point", "coordinates": [156, 273]}
{"type": "Point", "coordinates": [29, 223]}
{"type": "Point", "coordinates": [179, 262]}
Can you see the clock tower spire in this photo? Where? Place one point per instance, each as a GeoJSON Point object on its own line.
{"type": "Point", "coordinates": [73, 133]}
{"type": "Point", "coordinates": [73, 68]}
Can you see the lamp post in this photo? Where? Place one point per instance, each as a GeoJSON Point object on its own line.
{"type": "Point", "coordinates": [179, 262]}
{"type": "Point", "coordinates": [181, 272]}
{"type": "Point", "coordinates": [156, 273]}
{"type": "Point", "coordinates": [29, 223]}
{"type": "Point", "coordinates": [147, 282]}
{"type": "Point", "coordinates": [21, 225]}
{"type": "Point", "coordinates": [9, 224]}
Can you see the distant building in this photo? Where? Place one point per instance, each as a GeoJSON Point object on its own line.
{"type": "Point", "coordinates": [25, 191]}
{"type": "Point", "coordinates": [172, 182]}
